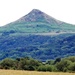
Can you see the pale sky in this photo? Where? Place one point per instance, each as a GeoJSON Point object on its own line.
{"type": "Point", "coordinates": [11, 10]}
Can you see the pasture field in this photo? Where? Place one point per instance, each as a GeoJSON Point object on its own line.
{"type": "Point", "coordinates": [19, 72]}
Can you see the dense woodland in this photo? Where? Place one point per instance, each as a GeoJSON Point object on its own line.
{"type": "Point", "coordinates": [57, 65]}
{"type": "Point", "coordinates": [36, 46]}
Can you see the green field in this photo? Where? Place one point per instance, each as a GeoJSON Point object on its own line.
{"type": "Point", "coordinates": [19, 72]}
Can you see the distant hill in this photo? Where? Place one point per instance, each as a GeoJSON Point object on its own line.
{"type": "Point", "coordinates": [37, 35]}
{"type": "Point", "coordinates": [37, 22]}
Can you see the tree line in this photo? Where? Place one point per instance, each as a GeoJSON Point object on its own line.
{"type": "Point", "coordinates": [57, 65]}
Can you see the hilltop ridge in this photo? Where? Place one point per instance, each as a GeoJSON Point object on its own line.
{"type": "Point", "coordinates": [37, 21]}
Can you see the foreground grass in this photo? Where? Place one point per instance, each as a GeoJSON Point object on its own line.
{"type": "Point", "coordinates": [18, 72]}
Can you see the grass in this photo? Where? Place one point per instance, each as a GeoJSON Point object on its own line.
{"type": "Point", "coordinates": [19, 72]}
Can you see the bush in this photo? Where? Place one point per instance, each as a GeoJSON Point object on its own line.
{"type": "Point", "coordinates": [41, 68]}
{"type": "Point", "coordinates": [72, 58]}
{"type": "Point", "coordinates": [72, 67]}
{"type": "Point", "coordinates": [49, 68]}
{"type": "Point", "coordinates": [28, 64]}
{"type": "Point", "coordinates": [7, 64]}
{"type": "Point", "coordinates": [63, 65]}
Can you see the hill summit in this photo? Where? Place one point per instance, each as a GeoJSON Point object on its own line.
{"type": "Point", "coordinates": [37, 21]}
{"type": "Point", "coordinates": [38, 16]}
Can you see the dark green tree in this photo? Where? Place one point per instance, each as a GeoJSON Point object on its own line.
{"type": "Point", "coordinates": [7, 63]}
{"type": "Point", "coordinates": [63, 65]}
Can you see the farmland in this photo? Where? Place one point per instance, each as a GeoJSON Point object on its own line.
{"type": "Point", "coordinates": [20, 72]}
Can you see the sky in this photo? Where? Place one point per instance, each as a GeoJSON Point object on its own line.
{"type": "Point", "coordinates": [11, 10]}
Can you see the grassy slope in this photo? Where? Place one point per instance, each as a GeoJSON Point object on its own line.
{"type": "Point", "coordinates": [36, 27]}
{"type": "Point", "coordinates": [18, 72]}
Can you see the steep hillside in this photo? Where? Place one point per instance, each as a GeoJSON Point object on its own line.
{"type": "Point", "coordinates": [37, 35]}
{"type": "Point", "coordinates": [37, 46]}
{"type": "Point", "coordinates": [37, 22]}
